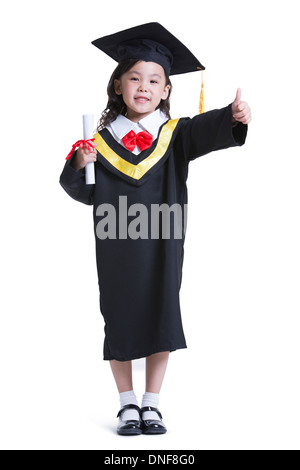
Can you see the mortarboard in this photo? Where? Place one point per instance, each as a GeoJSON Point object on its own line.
{"type": "Point", "coordinates": [151, 42]}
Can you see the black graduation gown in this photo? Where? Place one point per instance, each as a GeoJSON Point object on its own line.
{"type": "Point", "coordinates": [140, 278]}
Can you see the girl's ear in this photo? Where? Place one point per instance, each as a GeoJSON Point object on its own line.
{"type": "Point", "coordinates": [165, 92]}
{"type": "Point", "coordinates": [117, 86]}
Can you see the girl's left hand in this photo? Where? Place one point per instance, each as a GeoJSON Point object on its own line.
{"type": "Point", "coordinates": [241, 111]}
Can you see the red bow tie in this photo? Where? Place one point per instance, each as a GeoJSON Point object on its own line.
{"type": "Point", "coordinates": [143, 140]}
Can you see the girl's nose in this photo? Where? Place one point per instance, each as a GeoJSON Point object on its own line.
{"type": "Point", "coordinates": [143, 87]}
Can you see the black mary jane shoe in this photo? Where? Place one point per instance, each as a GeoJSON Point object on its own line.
{"type": "Point", "coordinates": [130, 427]}
{"type": "Point", "coordinates": [153, 426]}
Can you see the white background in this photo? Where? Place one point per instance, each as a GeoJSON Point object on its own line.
{"type": "Point", "coordinates": [237, 385]}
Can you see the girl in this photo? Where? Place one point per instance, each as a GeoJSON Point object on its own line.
{"type": "Point", "coordinates": [141, 165]}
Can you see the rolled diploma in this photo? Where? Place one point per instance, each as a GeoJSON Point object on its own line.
{"type": "Point", "coordinates": [88, 129]}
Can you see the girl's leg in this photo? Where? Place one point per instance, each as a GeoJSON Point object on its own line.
{"type": "Point", "coordinates": [122, 372]}
{"type": "Point", "coordinates": [156, 366]}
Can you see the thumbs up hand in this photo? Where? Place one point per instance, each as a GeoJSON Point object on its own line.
{"type": "Point", "coordinates": [241, 111]}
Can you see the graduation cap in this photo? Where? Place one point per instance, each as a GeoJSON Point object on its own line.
{"type": "Point", "coordinates": [151, 42]}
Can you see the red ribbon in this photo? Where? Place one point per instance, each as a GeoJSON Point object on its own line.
{"type": "Point", "coordinates": [143, 140]}
{"type": "Point", "coordinates": [80, 143]}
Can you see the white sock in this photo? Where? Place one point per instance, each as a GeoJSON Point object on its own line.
{"type": "Point", "coordinates": [150, 399]}
{"type": "Point", "coordinates": [129, 398]}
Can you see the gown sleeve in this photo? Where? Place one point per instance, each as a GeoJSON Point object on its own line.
{"type": "Point", "coordinates": [210, 131]}
{"type": "Point", "coordinates": [74, 183]}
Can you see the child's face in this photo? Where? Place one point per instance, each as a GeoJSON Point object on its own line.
{"type": "Point", "coordinates": [142, 88]}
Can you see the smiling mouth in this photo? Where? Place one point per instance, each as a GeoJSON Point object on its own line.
{"type": "Point", "coordinates": [141, 99]}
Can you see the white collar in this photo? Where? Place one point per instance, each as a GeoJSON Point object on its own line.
{"type": "Point", "coordinates": [121, 125]}
{"type": "Point", "coordinates": [153, 121]}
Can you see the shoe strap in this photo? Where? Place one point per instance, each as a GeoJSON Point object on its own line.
{"type": "Point", "coordinates": [151, 408]}
{"type": "Point", "coordinates": [128, 407]}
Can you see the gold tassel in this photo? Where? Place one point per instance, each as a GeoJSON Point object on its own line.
{"type": "Point", "coordinates": [202, 104]}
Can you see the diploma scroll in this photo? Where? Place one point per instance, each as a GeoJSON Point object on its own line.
{"type": "Point", "coordinates": [88, 130]}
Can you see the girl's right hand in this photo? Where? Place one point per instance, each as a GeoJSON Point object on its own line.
{"type": "Point", "coordinates": [84, 156]}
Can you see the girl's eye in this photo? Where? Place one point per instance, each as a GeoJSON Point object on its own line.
{"type": "Point", "coordinates": [153, 81]}
{"type": "Point", "coordinates": [134, 78]}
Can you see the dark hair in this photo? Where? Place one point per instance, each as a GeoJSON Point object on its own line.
{"type": "Point", "coordinates": [116, 105]}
